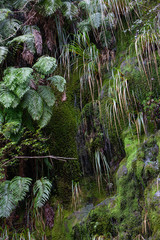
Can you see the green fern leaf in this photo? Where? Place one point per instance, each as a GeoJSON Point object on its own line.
{"type": "Point", "coordinates": [4, 13]}
{"type": "Point", "coordinates": [9, 27]}
{"type": "Point", "coordinates": [47, 94]}
{"type": "Point", "coordinates": [58, 81]}
{"type": "Point", "coordinates": [3, 53]}
{"type": "Point", "coordinates": [13, 122]}
{"type": "Point", "coordinates": [69, 10]}
{"type": "Point", "coordinates": [7, 98]}
{"type": "Point", "coordinates": [48, 7]}
{"type": "Point", "coordinates": [27, 38]}
{"type": "Point", "coordinates": [7, 203]}
{"type": "Point", "coordinates": [15, 77]}
{"type": "Point", "coordinates": [46, 117]}
{"type": "Point", "coordinates": [34, 103]}
{"type": "Point", "coordinates": [41, 190]}
{"type": "Point", "coordinates": [20, 186]}
{"type": "Point", "coordinates": [11, 192]}
{"type": "Point", "coordinates": [45, 65]}
{"type": "Point", "coordinates": [96, 20]}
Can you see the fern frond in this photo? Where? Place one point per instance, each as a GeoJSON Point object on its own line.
{"type": "Point", "coordinates": [13, 122]}
{"type": "Point", "coordinates": [7, 98]}
{"type": "Point", "coordinates": [58, 81]}
{"type": "Point", "coordinates": [7, 203]}
{"type": "Point", "coordinates": [34, 103]}
{"type": "Point", "coordinates": [69, 10]}
{"type": "Point", "coordinates": [46, 116]}
{"type": "Point", "coordinates": [47, 94]}
{"type": "Point", "coordinates": [4, 13]}
{"type": "Point", "coordinates": [11, 192]}
{"type": "Point", "coordinates": [48, 7]}
{"type": "Point", "coordinates": [27, 38]}
{"type": "Point", "coordinates": [9, 27]}
{"type": "Point", "coordinates": [96, 20]}
{"type": "Point", "coordinates": [45, 65]}
{"type": "Point", "coordinates": [20, 186]}
{"type": "Point", "coordinates": [3, 53]}
{"type": "Point", "coordinates": [15, 78]}
{"type": "Point", "coordinates": [41, 190]}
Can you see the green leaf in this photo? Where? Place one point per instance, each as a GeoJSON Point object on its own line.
{"type": "Point", "coordinates": [41, 190]}
{"type": "Point", "coordinates": [7, 98]}
{"type": "Point", "coordinates": [14, 77]}
{"type": "Point", "coordinates": [34, 103]}
{"type": "Point", "coordinates": [3, 53]}
{"type": "Point", "coordinates": [13, 122]}
{"type": "Point", "coordinates": [45, 65]}
{"type": "Point", "coordinates": [11, 192]}
{"type": "Point", "coordinates": [46, 117]}
{"type": "Point", "coordinates": [69, 10]}
{"type": "Point", "coordinates": [96, 20]}
{"type": "Point", "coordinates": [4, 12]}
{"type": "Point", "coordinates": [58, 81]}
{"type": "Point", "coordinates": [27, 38]}
{"type": "Point", "coordinates": [1, 120]}
{"type": "Point", "coordinates": [7, 203]}
{"type": "Point", "coordinates": [48, 7]}
{"type": "Point", "coordinates": [47, 94]}
{"type": "Point", "coordinates": [20, 186]}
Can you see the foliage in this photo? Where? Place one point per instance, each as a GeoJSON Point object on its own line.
{"type": "Point", "coordinates": [41, 191]}
{"type": "Point", "coordinates": [11, 192]}
{"type": "Point", "coordinates": [20, 89]}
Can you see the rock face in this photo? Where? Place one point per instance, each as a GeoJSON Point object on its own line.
{"type": "Point", "coordinates": [134, 211]}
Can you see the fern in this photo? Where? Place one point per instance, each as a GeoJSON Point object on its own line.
{"type": "Point", "coordinates": [27, 38]}
{"type": "Point", "coordinates": [14, 77]}
{"type": "Point", "coordinates": [13, 123]}
{"type": "Point", "coordinates": [20, 186]}
{"type": "Point", "coordinates": [46, 116]}
{"type": "Point", "coordinates": [47, 94]}
{"type": "Point", "coordinates": [11, 192]}
{"type": "Point", "coordinates": [7, 203]}
{"type": "Point", "coordinates": [41, 190]}
{"type": "Point", "coordinates": [48, 7]}
{"type": "Point", "coordinates": [4, 13]}
{"type": "Point", "coordinates": [45, 65]}
{"type": "Point", "coordinates": [9, 27]}
{"type": "Point", "coordinates": [96, 20]}
{"type": "Point", "coordinates": [34, 103]}
{"type": "Point", "coordinates": [7, 98]}
{"type": "Point", "coordinates": [3, 53]}
{"type": "Point", "coordinates": [58, 81]}
{"type": "Point", "coordinates": [69, 10]}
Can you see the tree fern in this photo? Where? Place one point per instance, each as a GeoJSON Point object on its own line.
{"type": "Point", "coordinates": [41, 190]}
{"type": "Point", "coordinates": [47, 94]}
{"type": "Point", "coordinates": [45, 65]}
{"type": "Point", "coordinates": [34, 103]}
{"type": "Point", "coordinates": [3, 53]}
{"type": "Point", "coordinates": [58, 81]}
